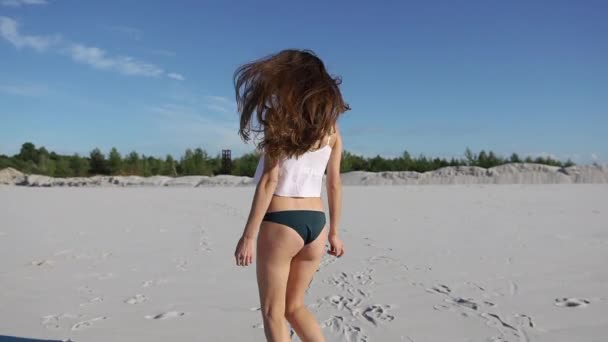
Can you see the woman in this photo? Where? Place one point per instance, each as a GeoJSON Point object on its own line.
{"type": "Point", "coordinates": [291, 99]}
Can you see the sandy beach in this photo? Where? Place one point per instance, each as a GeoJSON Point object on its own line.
{"type": "Point", "coordinates": [423, 263]}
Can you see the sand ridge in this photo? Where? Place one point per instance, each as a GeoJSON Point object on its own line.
{"type": "Point", "coordinates": [514, 173]}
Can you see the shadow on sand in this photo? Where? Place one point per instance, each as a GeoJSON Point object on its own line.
{"type": "Point", "coordinates": [4, 338]}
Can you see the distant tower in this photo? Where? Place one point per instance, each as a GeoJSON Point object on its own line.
{"type": "Point", "coordinates": [226, 161]}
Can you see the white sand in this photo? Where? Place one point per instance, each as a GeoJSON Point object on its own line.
{"type": "Point", "coordinates": [519, 173]}
{"type": "Point", "coordinates": [423, 263]}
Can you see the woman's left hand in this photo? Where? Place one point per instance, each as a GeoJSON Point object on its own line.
{"type": "Point", "coordinates": [245, 249]}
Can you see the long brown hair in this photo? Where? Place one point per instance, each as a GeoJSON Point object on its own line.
{"type": "Point", "coordinates": [295, 101]}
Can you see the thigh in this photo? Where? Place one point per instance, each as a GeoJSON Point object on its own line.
{"type": "Point", "coordinates": [276, 246]}
{"type": "Point", "coordinates": [303, 267]}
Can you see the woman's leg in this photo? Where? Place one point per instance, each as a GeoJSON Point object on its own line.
{"type": "Point", "coordinates": [276, 246]}
{"type": "Point", "coordinates": [303, 267]}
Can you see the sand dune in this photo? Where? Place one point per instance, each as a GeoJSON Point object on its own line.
{"type": "Point", "coordinates": [455, 263]}
{"type": "Point", "coordinates": [520, 173]}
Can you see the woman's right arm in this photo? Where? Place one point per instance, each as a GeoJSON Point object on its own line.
{"type": "Point", "coordinates": [334, 195]}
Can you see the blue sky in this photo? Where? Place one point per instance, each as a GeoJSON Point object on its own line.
{"type": "Point", "coordinates": [429, 77]}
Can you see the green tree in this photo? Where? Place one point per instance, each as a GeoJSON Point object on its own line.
{"type": "Point", "coordinates": [98, 163]}
{"type": "Point", "coordinates": [44, 165]}
{"type": "Point", "coordinates": [454, 162]}
{"type": "Point", "coordinates": [422, 164]}
{"type": "Point", "coordinates": [62, 168]}
{"type": "Point", "coordinates": [78, 165]}
{"type": "Point", "coordinates": [404, 162]}
{"type": "Point", "coordinates": [202, 166]}
{"type": "Point", "coordinates": [114, 162]}
{"type": "Point", "coordinates": [215, 165]}
{"type": "Point", "coordinates": [245, 165]}
{"type": "Point", "coordinates": [155, 166]}
{"type": "Point", "coordinates": [493, 160]}
{"type": "Point", "coordinates": [169, 167]}
{"type": "Point", "coordinates": [346, 164]}
{"type": "Point", "coordinates": [28, 152]}
{"type": "Point", "coordinates": [378, 164]}
{"type": "Point", "coordinates": [187, 163]}
{"type": "Point", "coordinates": [482, 159]}
{"type": "Point", "coordinates": [197, 162]}
{"type": "Point", "coordinates": [360, 163]}
{"type": "Point", "coordinates": [132, 164]}
{"type": "Point", "coordinates": [514, 158]}
{"type": "Point", "coordinates": [470, 157]}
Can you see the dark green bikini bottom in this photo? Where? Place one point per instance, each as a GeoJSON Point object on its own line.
{"type": "Point", "coordinates": [307, 223]}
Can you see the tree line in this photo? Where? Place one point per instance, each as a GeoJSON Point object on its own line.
{"type": "Point", "coordinates": [197, 161]}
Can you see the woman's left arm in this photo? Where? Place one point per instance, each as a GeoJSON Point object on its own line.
{"type": "Point", "coordinates": [264, 191]}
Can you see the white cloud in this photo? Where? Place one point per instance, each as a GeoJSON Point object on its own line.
{"type": "Point", "coordinates": [99, 59]}
{"type": "Point", "coordinates": [93, 56]}
{"type": "Point", "coordinates": [9, 30]}
{"type": "Point", "coordinates": [176, 76]}
{"type": "Point", "coordinates": [22, 89]}
{"type": "Point", "coordinates": [19, 3]}
{"type": "Point", "coordinates": [220, 104]}
{"type": "Point", "coordinates": [162, 52]}
{"type": "Point", "coordinates": [185, 127]}
{"type": "Point", "coordinates": [594, 157]}
{"type": "Point", "coordinates": [131, 32]}
{"type": "Point", "coordinates": [221, 99]}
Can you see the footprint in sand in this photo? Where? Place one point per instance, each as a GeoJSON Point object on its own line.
{"type": "Point", "coordinates": [495, 320]}
{"type": "Point", "coordinates": [384, 259]}
{"type": "Point", "coordinates": [508, 331]}
{"type": "Point", "coordinates": [341, 303]}
{"type": "Point", "coordinates": [356, 288]}
{"type": "Point", "coordinates": [98, 276]}
{"type": "Point", "coordinates": [346, 331]}
{"type": "Point", "coordinates": [93, 300]}
{"type": "Point", "coordinates": [456, 302]}
{"type": "Point", "coordinates": [63, 252]}
{"type": "Point", "coordinates": [54, 321]}
{"type": "Point", "coordinates": [467, 303]}
{"type": "Point", "coordinates": [42, 262]}
{"type": "Point", "coordinates": [84, 290]}
{"type": "Point", "coordinates": [182, 264]}
{"type": "Point", "coordinates": [137, 299]}
{"type": "Point", "coordinates": [364, 278]}
{"type": "Point", "coordinates": [513, 288]}
{"type": "Point", "coordinates": [377, 314]}
{"type": "Point", "coordinates": [103, 276]}
{"type": "Point", "coordinates": [326, 260]}
{"type": "Point", "coordinates": [154, 282]}
{"type": "Point", "coordinates": [88, 323]}
{"type": "Point", "coordinates": [524, 320]}
{"type": "Point", "coordinates": [203, 241]}
{"type": "Point", "coordinates": [571, 302]}
{"type": "Point", "coordinates": [166, 315]}
{"type": "Point", "coordinates": [345, 281]}
{"type": "Point", "coordinates": [443, 289]}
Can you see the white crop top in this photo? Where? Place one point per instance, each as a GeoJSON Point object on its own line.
{"type": "Point", "coordinates": [301, 177]}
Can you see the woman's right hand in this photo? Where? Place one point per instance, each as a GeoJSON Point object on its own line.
{"type": "Point", "coordinates": [245, 249]}
{"type": "Point", "coordinates": [336, 245]}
